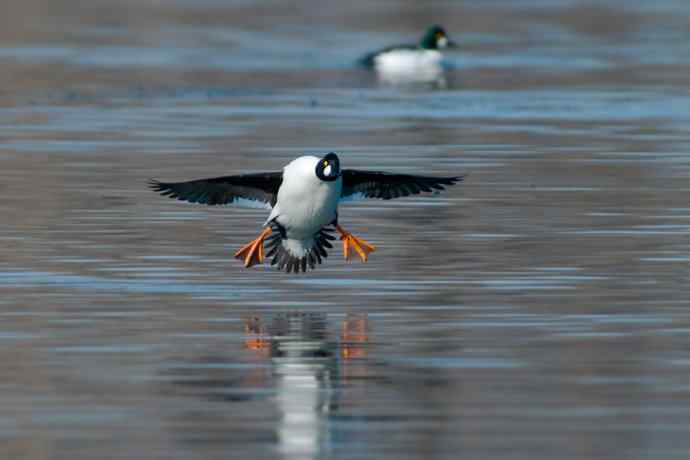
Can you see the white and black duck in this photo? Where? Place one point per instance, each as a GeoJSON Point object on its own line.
{"type": "Point", "coordinates": [422, 61]}
{"type": "Point", "coordinates": [303, 199]}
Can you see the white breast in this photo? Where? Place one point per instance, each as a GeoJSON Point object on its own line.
{"type": "Point", "coordinates": [305, 203]}
{"type": "Point", "coordinates": [414, 64]}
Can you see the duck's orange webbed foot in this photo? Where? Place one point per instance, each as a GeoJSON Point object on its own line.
{"type": "Point", "coordinates": [252, 253]}
{"type": "Point", "coordinates": [359, 245]}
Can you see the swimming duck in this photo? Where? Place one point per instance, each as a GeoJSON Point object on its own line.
{"type": "Point", "coordinates": [303, 199]}
{"type": "Point", "coordinates": [422, 60]}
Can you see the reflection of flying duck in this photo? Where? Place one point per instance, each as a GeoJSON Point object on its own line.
{"type": "Point", "coordinates": [306, 373]}
{"type": "Point", "coordinates": [267, 339]}
{"type": "Point", "coordinates": [421, 62]}
{"type": "Point", "coordinates": [303, 199]}
{"type": "Point", "coordinates": [283, 386]}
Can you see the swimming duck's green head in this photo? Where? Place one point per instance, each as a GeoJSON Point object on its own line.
{"type": "Point", "coordinates": [435, 38]}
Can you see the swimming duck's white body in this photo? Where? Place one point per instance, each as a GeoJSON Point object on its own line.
{"type": "Point", "coordinates": [409, 65]}
{"type": "Point", "coordinates": [407, 60]}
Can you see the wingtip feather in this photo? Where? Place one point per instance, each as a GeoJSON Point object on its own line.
{"type": "Point", "coordinates": [155, 185]}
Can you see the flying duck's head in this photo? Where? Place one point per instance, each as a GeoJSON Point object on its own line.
{"type": "Point", "coordinates": [328, 168]}
{"type": "Point", "coordinates": [435, 38]}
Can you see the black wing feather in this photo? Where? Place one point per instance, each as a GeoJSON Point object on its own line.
{"type": "Point", "coordinates": [261, 187]}
{"type": "Point", "coordinates": [383, 185]}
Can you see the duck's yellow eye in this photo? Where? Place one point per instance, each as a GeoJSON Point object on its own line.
{"type": "Point", "coordinates": [325, 162]}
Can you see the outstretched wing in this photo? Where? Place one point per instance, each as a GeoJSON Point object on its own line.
{"type": "Point", "coordinates": [248, 190]}
{"type": "Point", "coordinates": [383, 185]}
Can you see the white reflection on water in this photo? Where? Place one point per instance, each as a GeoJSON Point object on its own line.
{"type": "Point", "coordinates": [304, 370]}
{"type": "Point", "coordinates": [306, 361]}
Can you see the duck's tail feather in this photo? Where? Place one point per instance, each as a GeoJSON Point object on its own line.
{"type": "Point", "coordinates": [295, 256]}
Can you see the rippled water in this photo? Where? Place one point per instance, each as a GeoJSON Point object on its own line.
{"type": "Point", "coordinates": [538, 310]}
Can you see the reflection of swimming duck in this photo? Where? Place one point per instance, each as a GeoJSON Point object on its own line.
{"type": "Point", "coordinates": [412, 62]}
{"type": "Point", "coordinates": [303, 200]}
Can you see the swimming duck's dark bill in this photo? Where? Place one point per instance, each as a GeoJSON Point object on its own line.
{"type": "Point", "coordinates": [451, 44]}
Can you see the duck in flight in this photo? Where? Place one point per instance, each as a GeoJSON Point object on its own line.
{"type": "Point", "coordinates": [303, 199]}
{"type": "Point", "coordinates": [422, 60]}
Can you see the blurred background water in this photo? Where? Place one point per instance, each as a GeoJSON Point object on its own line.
{"type": "Point", "coordinates": [538, 310]}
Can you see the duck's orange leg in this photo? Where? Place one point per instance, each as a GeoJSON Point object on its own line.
{"type": "Point", "coordinates": [359, 245]}
{"type": "Point", "coordinates": [252, 253]}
